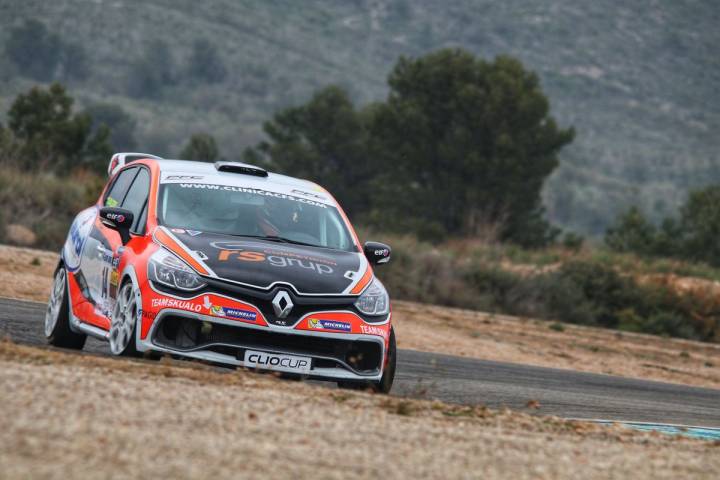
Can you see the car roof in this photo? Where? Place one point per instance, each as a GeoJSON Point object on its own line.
{"type": "Point", "coordinates": [211, 174]}
{"type": "Point", "coordinates": [208, 169]}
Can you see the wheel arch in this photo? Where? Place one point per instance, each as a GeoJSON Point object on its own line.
{"type": "Point", "coordinates": [129, 273]}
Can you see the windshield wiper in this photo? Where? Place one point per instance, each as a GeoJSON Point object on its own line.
{"type": "Point", "coordinates": [276, 238]}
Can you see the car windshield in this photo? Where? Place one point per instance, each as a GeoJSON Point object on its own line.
{"type": "Point", "coordinates": [252, 212]}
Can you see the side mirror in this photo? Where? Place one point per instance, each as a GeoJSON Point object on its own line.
{"type": "Point", "coordinates": [377, 253]}
{"type": "Point", "coordinates": [118, 219]}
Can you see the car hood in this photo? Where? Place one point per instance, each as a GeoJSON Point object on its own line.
{"type": "Point", "coordinates": [262, 263]}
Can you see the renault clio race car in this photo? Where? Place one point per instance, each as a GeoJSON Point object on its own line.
{"type": "Point", "coordinates": [226, 263]}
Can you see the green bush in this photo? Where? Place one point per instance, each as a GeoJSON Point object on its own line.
{"type": "Point", "coordinates": [583, 292]}
{"type": "Point", "coordinates": [556, 297]}
{"type": "Point", "coordinates": [671, 324]}
{"type": "Point", "coordinates": [46, 204]}
{"type": "Point", "coordinates": [572, 241]}
{"type": "Point", "coordinates": [49, 135]}
{"type": "Point", "coordinates": [693, 236]}
{"type": "Point", "coordinates": [201, 147]}
{"type": "Point", "coordinates": [599, 286]}
{"type": "Point", "coordinates": [422, 273]}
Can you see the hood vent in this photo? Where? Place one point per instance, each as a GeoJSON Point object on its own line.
{"type": "Point", "coordinates": [243, 168]}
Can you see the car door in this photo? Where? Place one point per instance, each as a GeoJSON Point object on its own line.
{"type": "Point", "coordinates": [135, 201]}
{"type": "Point", "coordinates": [98, 255]}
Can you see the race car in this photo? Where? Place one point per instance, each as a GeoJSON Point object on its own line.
{"type": "Point", "coordinates": [227, 263]}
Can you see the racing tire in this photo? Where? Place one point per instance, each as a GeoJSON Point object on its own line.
{"type": "Point", "coordinates": [57, 316]}
{"type": "Point", "coordinates": [386, 381]}
{"type": "Point", "coordinates": [123, 322]}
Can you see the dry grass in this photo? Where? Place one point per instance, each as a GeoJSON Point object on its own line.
{"type": "Point", "coordinates": [82, 416]}
{"type": "Point", "coordinates": [26, 273]}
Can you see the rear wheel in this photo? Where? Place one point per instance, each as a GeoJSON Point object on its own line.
{"type": "Point", "coordinates": [385, 383]}
{"type": "Point", "coordinates": [57, 316]}
{"type": "Point", "coordinates": [123, 322]}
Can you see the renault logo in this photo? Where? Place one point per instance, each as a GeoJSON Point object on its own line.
{"type": "Point", "coordinates": [282, 304]}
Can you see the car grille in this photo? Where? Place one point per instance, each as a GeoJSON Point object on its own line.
{"type": "Point", "coordinates": [181, 333]}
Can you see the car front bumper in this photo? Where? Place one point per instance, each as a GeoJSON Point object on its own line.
{"type": "Point", "coordinates": [334, 356]}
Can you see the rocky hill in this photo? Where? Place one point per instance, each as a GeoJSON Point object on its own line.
{"type": "Point", "coordinates": [637, 80]}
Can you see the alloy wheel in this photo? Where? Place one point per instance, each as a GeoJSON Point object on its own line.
{"type": "Point", "coordinates": [123, 320]}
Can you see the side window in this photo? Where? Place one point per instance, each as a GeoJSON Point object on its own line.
{"type": "Point", "coordinates": [117, 192]}
{"type": "Point", "coordinates": [140, 226]}
{"type": "Point", "coordinates": [137, 196]}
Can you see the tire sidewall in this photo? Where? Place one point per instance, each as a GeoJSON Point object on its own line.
{"type": "Point", "coordinates": [63, 313]}
{"type": "Point", "coordinates": [131, 348]}
{"type": "Point", "coordinates": [62, 334]}
{"type": "Point", "coordinates": [388, 376]}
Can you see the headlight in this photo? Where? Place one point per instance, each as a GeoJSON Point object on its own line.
{"type": "Point", "coordinates": [166, 269]}
{"type": "Point", "coordinates": [374, 300]}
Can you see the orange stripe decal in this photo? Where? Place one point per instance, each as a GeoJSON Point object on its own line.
{"type": "Point", "coordinates": [367, 276]}
{"type": "Point", "coordinates": [168, 242]}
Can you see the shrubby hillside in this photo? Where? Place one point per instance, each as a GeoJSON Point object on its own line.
{"type": "Point", "coordinates": [637, 80]}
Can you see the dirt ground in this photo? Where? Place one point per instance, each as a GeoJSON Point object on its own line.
{"type": "Point", "coordinates": [82, 416]}
{"type": "Point", "coordinates": [26, 273]}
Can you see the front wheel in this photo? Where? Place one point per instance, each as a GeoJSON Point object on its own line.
{"type": "Point", "coordinates": [385, 383]}
{"type": "Point", "coordinates": [123, 322]}
{"type": "Point", "coordinates": [57, 316]}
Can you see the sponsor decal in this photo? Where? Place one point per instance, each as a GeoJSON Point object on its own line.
{"type": "Point", "coordinates": [239, 246]}
{"type": "Point", "coordinates": [78, 235]}
{"type": "Point", "coordinates": [106, 255]}
{"type": "Point", "coordinates": [275, 257]}
{"type": "Point", "coordinates": [148, 315]}
{"type": "Point", "coordinates": [115, 217]}
{"type": "Point", "coordinates": [271, 361]}
{"type": "Point", "coordinates": [236, 313]}
{"type": "Point", "coordinates": [274, 260]}
{"type": "Point", "coordinates": [175, 303]}
{"type": "Point", "coordinates": [254, 191]}
{"type": "Point", "coordinates": [184, 177]}
{"type": "Point", "coordinates": [371, 330]}
{"type": "Point", "coordinates": [111, 202]}
{"type": "Point", "coordinates": [113, 262]}
{"type": "Point", "coordinates": [318, 324]}
{"type": "Point", "coordinates": [307, 194]}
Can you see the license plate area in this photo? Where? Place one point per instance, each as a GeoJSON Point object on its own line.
{"type": "Point", "coordinates": [280, 362]}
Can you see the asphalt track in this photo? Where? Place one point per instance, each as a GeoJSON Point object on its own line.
{"type": "Point", "coordinates": [564, 393]}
